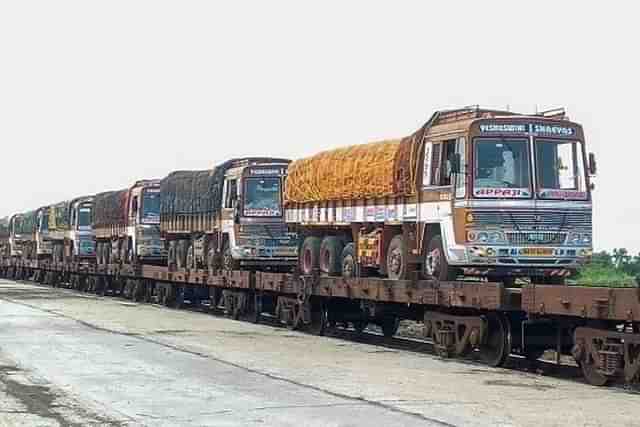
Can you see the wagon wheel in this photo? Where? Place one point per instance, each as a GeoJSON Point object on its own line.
{"type": "Point", "coordinates": [591, 374]}
{"type": "Point", "coordinates": [495, 350]}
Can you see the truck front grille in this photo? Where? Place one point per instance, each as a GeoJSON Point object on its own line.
{"type": "Point", "coordinates": [535, 238]}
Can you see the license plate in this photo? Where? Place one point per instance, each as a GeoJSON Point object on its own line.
{"type": "Point", "coordinates": [537, 251]}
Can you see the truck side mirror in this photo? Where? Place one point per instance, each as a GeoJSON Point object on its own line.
{"type": "Point", "coordinates": [593, 167]}
{"type": "Point", "coordinates": [455, 164]}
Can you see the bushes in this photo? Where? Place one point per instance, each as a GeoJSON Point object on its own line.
{"type": "Point", "coordinates": [618, 269]}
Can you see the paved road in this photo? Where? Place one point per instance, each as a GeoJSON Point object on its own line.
{"type": "Point", "coordinates": [73, 359]}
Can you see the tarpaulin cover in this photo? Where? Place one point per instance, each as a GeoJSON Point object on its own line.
{"type": "Point", "coordinates": [110, 208]}
{"type": "Point", "coordinates": [197, 192]}
{"type": "Point", "coordinates": [190, 192]}
{"type": "Point", "coordinates": [59, 216]}
{"type": "Point", "coordinates": [378, 169]}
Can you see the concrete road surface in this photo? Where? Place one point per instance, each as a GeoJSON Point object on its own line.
{"type": "Point", "coordinates": [75, 359]}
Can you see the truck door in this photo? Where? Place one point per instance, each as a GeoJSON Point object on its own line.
{"type": "Point", "coordinates": [230, 208]}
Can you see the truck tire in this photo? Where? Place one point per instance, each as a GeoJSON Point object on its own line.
{"type": "Point", "coordinates": [106, 254]}
{"type": "Point", "coordinates": [397, 263]}
{"type": "Point", "coordinates": [349, 264]}
{"type": "Point", "coordinates": [191, 256]}
{"type": "Point", "coordinates": [181, 254]}
{"type": "Point", "coordinates": [331, 255]}
{"type": "Point", "coordinates": [99, 249]}
{"type": "Point", "coordinates": [435, 265]}
{"type": "Point", "coordinates": [310, 255]}
{"type": "Point", "coordinates": [228, 263]}
{"type": "Point", "coordinates": [172, 255]}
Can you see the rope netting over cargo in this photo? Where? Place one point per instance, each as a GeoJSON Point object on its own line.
{"type": "Point", "coordinates": [110, 208]}
{"type": "Point", "coordinates": [373, 170]}
{"type": "Point", "coordinates": [191, 192]}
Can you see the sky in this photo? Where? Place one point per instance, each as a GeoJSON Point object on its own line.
{"type": "Point", "coordinates": [94, 95]}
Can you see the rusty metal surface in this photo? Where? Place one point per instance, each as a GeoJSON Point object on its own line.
{"type": "Point", "coordinates": [232, 279]}
{"type": "Point", "coordinates": [587, 302]}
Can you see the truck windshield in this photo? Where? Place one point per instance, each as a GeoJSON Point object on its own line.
{"type": "Point", "coordinates": [561, 169]}
{"type": "Point", "coordinates": [44, 222]}
{"type": "Point", "coordinates": [84, 217]}
{"type": "Point", "coordinates": [502, 168]}
{"type": "Point", "coordinates": [262, 197]}
{"type": "Point", "coordinates": [151, 206]}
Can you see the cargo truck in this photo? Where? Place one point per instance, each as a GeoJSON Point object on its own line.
{"type": "Point", "coordinates": [44, 242]}
{"type": "Point", "coordinates": [127, 225]}
{"type": "Point", "coordinates": [227, 218]}
{"type": "Point", "coordinates": [474, 192]}
{"type": "Point", "coordinates": [22, 240]}
{"type": "Point", "coordinates": [4, 237]}
{"type": "Point", "coordinates": [70, 228]}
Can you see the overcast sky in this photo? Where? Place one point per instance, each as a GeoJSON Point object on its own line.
{"type": "Point", "coordinates": [94, 95]}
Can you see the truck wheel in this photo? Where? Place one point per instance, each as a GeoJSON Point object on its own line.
{"type": "Point", "coordinates": [310, 255]}
{"type": "Point", "coordinates": [171, 258]}
{"type": "Point", "coordinates": [211, 261]}
{"type": "Point", "coordinates": [182, 254]}
{"type": "Point", "coordinates": [331, 255]}
{"type": "Point", "coordinates": [228, 263]}
{"type": "Point", "coordinates": [191, 257]}
{"type": "Point", "coordinates": [349, 265]}
{"type": "Point", "coordinates": [435, 265]}
{"type": "Point", "coordinates": [397, 265]}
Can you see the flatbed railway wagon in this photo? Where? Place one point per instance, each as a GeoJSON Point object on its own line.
{"type": "Point", "coordinates": [466, 312]}
{"type": "Point", "coordinates": [598, 326]}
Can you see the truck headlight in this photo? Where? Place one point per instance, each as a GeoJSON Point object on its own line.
{"type": "Point", "coordinates": [495, 236]}
{"type": "Point", "coordinates": [579, 239]}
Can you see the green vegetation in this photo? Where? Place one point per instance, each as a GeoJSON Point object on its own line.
{"type": "Point", "coordinates": [617, 269]}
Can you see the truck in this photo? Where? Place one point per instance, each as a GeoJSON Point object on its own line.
{"type": "Point", "coordinates": [44, 242]}
{"type": "Point", "coordinates": [70, 228]}
{"type": "Point", "coordinates": [127, 225]}
{"type": "Point", "coordinates": [4, 237]}
{"type": "Point", "coordinates": [473, 193]}
{"type": "Point", "coordinates": [227, 218]}
{"type": "Point", "coordinates": [22, 230]}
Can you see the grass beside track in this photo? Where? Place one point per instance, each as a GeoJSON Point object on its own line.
{"type": "Point", "coordinates": [604, 276]}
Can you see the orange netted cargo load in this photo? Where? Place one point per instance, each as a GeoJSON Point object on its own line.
{"type": "Point", "coordinates": [372, 170]}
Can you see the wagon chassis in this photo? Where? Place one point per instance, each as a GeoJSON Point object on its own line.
{"type": "Point", "coordinates": [599, 327]}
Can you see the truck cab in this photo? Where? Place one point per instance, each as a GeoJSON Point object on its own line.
{"type": "Point", "coordinates": [252, 220]}
{"type": "Point", "coordinates": [22, 236]}
{"type": "Point", "coordinates": [79, 243]}
{"type": "Point", "coordinates": [511, 195]}
{"type": "Point", "coordinates": [143, 223]}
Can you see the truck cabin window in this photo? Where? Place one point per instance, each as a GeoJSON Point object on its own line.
{"type": "Point", "coordinates": [44, 222]}
{"type": "Point", "coordinates": [441, 156]}
{"type": "Point", "coordinates": [263, 197]}
{"type": "Point", "coordinates": [151, 206]}
{"type": "Point", "coordinates": [560, 169]}
{"type": "Point", "coordinates": [501, 164]}
{"type": "Point", "coordinates": [84, 217]}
